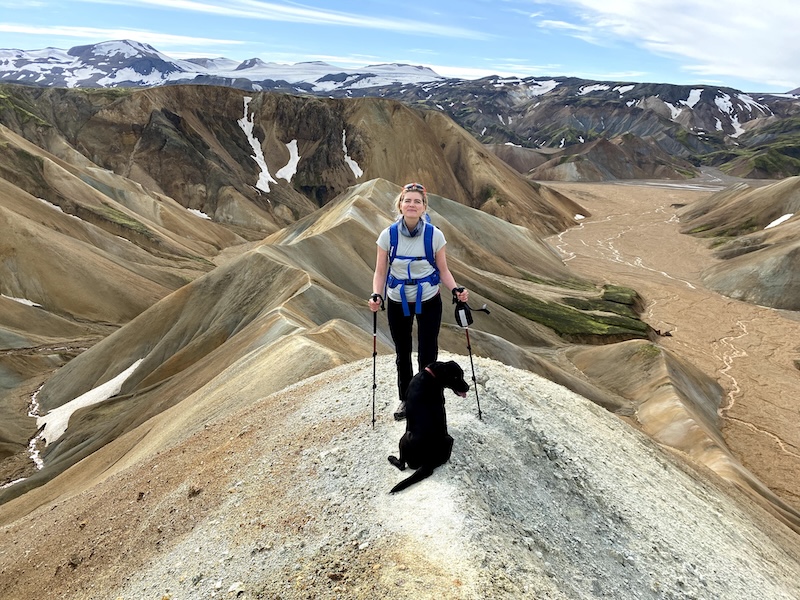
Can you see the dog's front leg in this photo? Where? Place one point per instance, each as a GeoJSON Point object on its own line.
{"type": "Point", "coordinates": [400, 463]}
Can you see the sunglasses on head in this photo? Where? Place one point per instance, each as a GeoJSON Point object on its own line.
{"type": "Point", "coordinates": [414, 187]}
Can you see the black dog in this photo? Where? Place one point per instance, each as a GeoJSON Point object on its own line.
{"type": "Point", "coordinates": [426, 444]}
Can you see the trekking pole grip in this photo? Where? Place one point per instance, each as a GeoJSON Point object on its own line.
{"type": "Point", "coordinates": [378, 297]}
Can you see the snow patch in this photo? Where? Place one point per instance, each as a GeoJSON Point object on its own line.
{"type": "Point", "coordinates": [33, 445]}
{"type": "Point", "coordinates": [693, 99]}
{"type": "Point", "coordinates": [780, 220]}
{"type": "Point", "coordinates": [751, 104]}
{"type": "Point", "coordinates": [725, 105]}
{"type": "Point", "coordinates": [22, 301]}
{"type": "Point", "coordinates": [128, 74]}
{"type": "Point", "coordinates": [247, 124]}
{"type": "Point", "coordinates": [54, 424]}
{"type": "Point", "coordinates": [674, 110]}
{"type": "Point", "coordinates": [51, 205]}
{"type": "Point", "coordinates": [288, 171]}
{"type": "Point", "coordinates": [199, 213]}
{"type": "Point", "coordinates": [357, 171]}
{"type": "Point", "coordinates": [598, 87]}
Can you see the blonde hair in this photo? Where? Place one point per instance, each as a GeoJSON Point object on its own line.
{"type": "Point", "coordinates": [412, 187]}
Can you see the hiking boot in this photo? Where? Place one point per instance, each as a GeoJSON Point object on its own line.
{"type": "Point", "coordinates": [400, 413]}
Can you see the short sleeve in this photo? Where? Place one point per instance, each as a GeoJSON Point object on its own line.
{"type": "Point", "coordinates": [383, 240]}
{"type": "Point", "coordinates": [438, 240]}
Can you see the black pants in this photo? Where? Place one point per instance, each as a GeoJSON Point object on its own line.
{"type": "Point", "coordinates": [428, 322]}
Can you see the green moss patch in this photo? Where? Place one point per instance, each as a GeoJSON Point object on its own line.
{"type": "Point", "coordinates": [120, 218]}
{"type": "Point", "coordinates": [7, 102]}
{"type": "Point", "coordinates": [574, 323]}
{"type": "Point", "coordinates": [648, 352]}
{"type": "Point", "coordinates": [600, 305]}
{"type": "Point", "coordinates": [620, 294]}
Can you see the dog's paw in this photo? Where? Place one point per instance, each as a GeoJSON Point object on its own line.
{"type": "Point", "coordinates": [397, 463]}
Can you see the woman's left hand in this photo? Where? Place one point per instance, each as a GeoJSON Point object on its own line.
{"type": "Point", "coordinates": [461, 294]}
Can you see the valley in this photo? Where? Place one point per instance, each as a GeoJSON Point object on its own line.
{"type": "Point", "coordinates": [633, 239]}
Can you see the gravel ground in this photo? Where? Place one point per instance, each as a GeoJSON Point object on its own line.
{"type": "Point", "coordinates": [549, 496]}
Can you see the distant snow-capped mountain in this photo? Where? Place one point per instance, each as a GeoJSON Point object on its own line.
{"type": "Point", "coordinates": [749, 135]}
{"type": "Point", "coordinates": [127, 63]}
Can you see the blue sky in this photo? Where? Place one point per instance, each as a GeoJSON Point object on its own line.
{"type": "Point", "coordinates": [751, 46]}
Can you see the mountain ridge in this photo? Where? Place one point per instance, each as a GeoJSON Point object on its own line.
{"type": "Point", "coordinates": [129, 63]}
{"type": "Point", "coordinates": [748, 135]}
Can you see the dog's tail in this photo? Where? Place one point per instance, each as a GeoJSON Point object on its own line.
{"type": "Point", "coordinates": [423, 472]}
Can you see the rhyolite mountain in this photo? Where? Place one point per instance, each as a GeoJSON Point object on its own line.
{"type": "Point", "coordinates": [113, 200]}
{"type": "Point", "coordinates": [744, 134]}
{"type": "Point", "coordinates": [293, 303]}
{"type": "Point", "coordinates": [195, 144]}
{"type": "Point", "coordinates": [755, 231]}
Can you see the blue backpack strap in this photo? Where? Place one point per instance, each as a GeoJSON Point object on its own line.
{"type": "Point", "coordinates": [394, 234]}
{"type": "Point", "coordinates": [430, 256]}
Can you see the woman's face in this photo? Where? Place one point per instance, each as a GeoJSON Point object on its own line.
{"type": "Point", "coordinates": [412, 205]}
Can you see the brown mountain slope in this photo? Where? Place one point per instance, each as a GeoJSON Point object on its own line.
{"type": "Point", "coordinates": [82, 251]}
{"type": "Point", "coordinates": [759, 263]}
{"type": "Point", "coordinates": [623, 157]}
{"type": "Point", "coordinates": [189, 142]}
{"type": "Point", "coordinates": [750, 351]}
{"type": "Point", "coordinates": [521, 159]}
{"type": "Point", "coordinates": [314, 275]}
{"type": "Point", "coordinates": [295, 304]}
{"type": "Point", "coordinates": [677, 405]}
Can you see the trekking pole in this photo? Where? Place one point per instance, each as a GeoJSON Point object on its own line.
{"type": "Point", "coordinates": [474, 382]}
{"type": "Point", "coordinates": [464, 319]}
{"type": "Point", "coordinates": [375, 353]}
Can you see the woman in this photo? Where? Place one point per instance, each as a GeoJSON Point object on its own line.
{"type": "Point", "coordinates": [410, 265]}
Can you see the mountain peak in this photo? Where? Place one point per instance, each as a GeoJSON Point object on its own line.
{"type": "Point", "coordinates": [251, 63]}
{"type": "Point", "coordinates": [114, 48]}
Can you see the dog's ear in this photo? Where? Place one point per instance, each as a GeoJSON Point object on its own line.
{"type": "Point", "coordinates": [454, 369]}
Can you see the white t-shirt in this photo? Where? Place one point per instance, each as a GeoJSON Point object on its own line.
{"type": "Point", "coordinates": [412, 269]}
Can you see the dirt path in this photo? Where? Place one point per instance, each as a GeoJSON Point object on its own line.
{"type": "Point", "coordinates": [632, 238]}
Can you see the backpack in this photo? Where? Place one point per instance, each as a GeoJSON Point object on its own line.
{"type": "Point", "coordinates": [433, 279]}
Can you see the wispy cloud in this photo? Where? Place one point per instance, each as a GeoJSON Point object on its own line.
{"type": "Point", "coordinates": [562, 25]}
{"type": "Point", "coordinates": [296, 13]}
{"type": "Point", "coordinates": [737, 39]}
{"type": "Point", "coordinates": [95, 33]}
{"type": "Point", "coordinates": [579, 32]}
